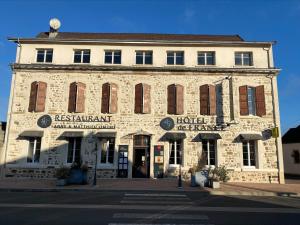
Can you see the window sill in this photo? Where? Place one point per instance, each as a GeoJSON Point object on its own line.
{"type": "Point", "coordinates": [249, 168]}
{"type": "Point", "coordinates": [174, 165]}
{"type": "Point", "coordinates": [243, 66]}
{"type": "Point", "coordinates": [250, 117]}
{"type": "Point", "coordinates": [174, 65]}
{"type": "Point", "coordinates": [207, 66]}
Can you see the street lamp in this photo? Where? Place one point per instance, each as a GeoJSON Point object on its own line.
{"type": "Point", "coordinates": [179, 177]}
{"type": "Point", "coordinates": [96, 161]}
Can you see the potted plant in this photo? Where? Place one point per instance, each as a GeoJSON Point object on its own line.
{"type": "Point", "coordinates": [78, 173]}
{"type": "Point", "coordinates": [192, 171]}
{"type": "Point", "coordinates": [217, 175]}
{"type": "Point", "coordinates": [62, 175]}
{"type": "Point", "coordinates": [201, 175]}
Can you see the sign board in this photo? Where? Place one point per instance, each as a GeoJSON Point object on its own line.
{"type": "Point", "coordinates": [275, 132]}
{"type": "Point", "coordinates": [123, 161]}
{"type": "Point", "coordinates": [158, 161]}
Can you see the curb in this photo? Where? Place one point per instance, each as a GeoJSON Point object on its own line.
{"type": "Point", "coordinates": [255, 193]}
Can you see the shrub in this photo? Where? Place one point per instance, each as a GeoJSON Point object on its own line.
{"type": "Point", "coordinates": [218, 173]}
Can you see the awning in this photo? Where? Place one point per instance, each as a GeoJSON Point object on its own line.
{"type": "Point", "coordinates": [138, 132]}
{"type": "Point", "coordinates": [71, 134]}
{"type": "Point", "coordinates": [247, 137]}
{"type": "Point", "coordinates": [32, 133]}
{"type": "Point", "coordinates": [105, 134]}
{"type": "Point", "coordinates": [207, 136]}
{"type": "Point", "coordinates": [171, 136]}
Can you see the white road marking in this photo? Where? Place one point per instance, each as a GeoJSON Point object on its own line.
{"type": "Point", "coordinates": [158, 195]}
{"type": "Point", "coordinates": [158, 224]}
{"type": "Point", "coordinates": [156, 202]}
{"type": "Point", "coordinates": [159, 216]}
{"type": "Point", "coordinates": [155, 207]}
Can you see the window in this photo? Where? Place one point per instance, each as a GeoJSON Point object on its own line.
{"type": "Point", "coordinates": [44, 55]}
{"type": "Point", "coordinates": [175, 58]}
{"type": "Point", "coordinates": [34, 150]}
{"type": "Point", "coordinates": [112, 57]}
{"type": "Point", "coordinates": [74, 147]}
{"type": "Point", "coordinates": [249, 156]}
{"type": "Point", "coordinates": [208, 100]}
{"type": "Point", "coordinates": [175, 99]}
{"type": "Point", "coordinates": [252, 100]}
{"type": "Point", "coordinates": [82, 56]}
{"type": "Point", "coordinates": [109, 102]}
{"type": "Point", "coordinates": [76, 98]}
{"type": "Point", "coordinates": [107, 150]}
{"type": "Point", "coordinates": [296, 156]}
{"type": "Point", "coordinates": [37, 97]}
{"type": "Point", "coordinates": [243, 58]}
{"type": "Point", "coordinates": [175, 152]}
{"type": "Point", "coordinates": [142, 102]}
{"type": "Point", "coordinates": [144, 57]}
{"type": "Point", "coordinates": [209, 149]}
{"type": "Point", "coordinates": [206, 58]}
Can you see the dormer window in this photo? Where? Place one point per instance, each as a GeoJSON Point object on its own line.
{"type": "Point", "coordinates": [82, 56]}
{"type": "Point", "coordinates": [44, 55]}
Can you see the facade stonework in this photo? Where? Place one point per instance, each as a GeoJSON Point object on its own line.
{"type": "Point", "coordinates": [126, 123]}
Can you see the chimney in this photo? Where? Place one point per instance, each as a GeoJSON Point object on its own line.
{"type": "Point", "coordinates": [54, 26]}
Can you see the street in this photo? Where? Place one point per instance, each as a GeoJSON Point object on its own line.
{"type": "Point", "coordinates": [144, 207]}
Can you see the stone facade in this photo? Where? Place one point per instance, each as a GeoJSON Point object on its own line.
{"type": "Point", "coordinates": [126, 123]}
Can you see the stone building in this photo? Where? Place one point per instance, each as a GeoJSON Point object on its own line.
{"type": "Point", "coordinates": [291, 151]}
{"type": "Point", "coordinates": [143, 105]}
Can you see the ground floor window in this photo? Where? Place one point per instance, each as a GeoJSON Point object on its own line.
{"type": "Point", "coordinates": [209, 150]}
{"type": "Point", "coordinates": [175, 152]}
{"type": "Point", "coordinates": [107, 150]}
{"type": "Point", "coordinates": [249, 155]}
{"type": "Point", "coordinates": [74, 147]}
{"type": "Point", "coordinates": [34, 150]}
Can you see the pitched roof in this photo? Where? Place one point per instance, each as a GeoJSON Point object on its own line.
{"type": "Point", "coordinates": [141, 36]}
{"type": "Point", "coordinates": [292, 136]}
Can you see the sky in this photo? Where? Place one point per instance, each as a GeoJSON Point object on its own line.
{"type": "Point", "coordinates": [253, 20]}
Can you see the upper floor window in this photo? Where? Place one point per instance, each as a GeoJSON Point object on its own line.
{"type": "Point", "coordinates": [112, 57]}
{"type": "Point", "coordinates": [249, 153]}
{"type": "Point", "coordinates": [107, 150]}
{"type": "Point", "coordinates": [175, 58]}
{"type": "Point", "coordinates": [34, 150]}
{"type": "Point", "coordinates": [209, 149]}
{"type": "Point", "coordinates": [37, 97]}
{"type": "Point", "coordinates": [206, 58]}
{"type": "Point", "coordinates": [243, 58]}
{"type": "Point", "coordinates": [142, 102]}
{"type": "Point", "coordinates": [175, 99]}
{"type": "Point", "coordinates": [109, 102]}
{"type": "Point", "coordinates": [82, 56]}
{"type": "Point", "coordinates": [76, 97]}
{"type": "Point", "coordinates": [208, 100]}
{"type": "Point", "coordinates": [44, 55]}
{"type": "Point", "coordinates": [252, 100]}
{"type": "Point", "coordinates": [74, 146]}
{"type": "Point", "coordinates": [144, 57]}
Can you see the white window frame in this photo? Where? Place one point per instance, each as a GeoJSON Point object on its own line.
{"type": "Point", "coordinates": [81, 55]}
{"type": "Point", "coordinates": [208, 152]}
{"type": "Point", "coordinates": [73, 150]}
{"type": "Point", "coordinates": [252, 100]}
{"type": "Point", "coordinates": [144, 56]}
{"type": "Point", "coordinates": [34, 151]}
{"type": "Point", "coordinates": [242, 58]}
{"type": "Point", "coordinates": [175, 153]}
{"type": "Point", "coordinates": [45, 54]}
{"type": "Point", "coordinates": [107, 154]}
{"type": "Point", "coordinates": [174, 55]}
{"type": "Point", "coordinates": [205, 58]}
{"type": "Point", "coordinates": [248, 154]}
{"type": "Point", "coordinates": [113, 56]}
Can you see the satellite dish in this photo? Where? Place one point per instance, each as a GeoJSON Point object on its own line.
{"type": "Point", "coordinates": [54, 23]}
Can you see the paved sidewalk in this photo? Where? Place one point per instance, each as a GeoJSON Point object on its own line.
{"type": "Point", "coordinates": [253, 189]}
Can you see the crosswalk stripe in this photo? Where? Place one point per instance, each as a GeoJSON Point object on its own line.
{"type": "Point", "coordinates": [158, 195]}
{"type": "Point", "coordinates": [156, 198]}
{"type": "Point", "coordinates": [158, 216]}
{"type": "Point", "coordinates": [158, 224]}
{"type": "Point", "coordinates": [156, 202]}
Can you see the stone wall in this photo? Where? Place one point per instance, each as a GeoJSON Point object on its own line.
{"type": "Point", "coordinates": [229, 149]}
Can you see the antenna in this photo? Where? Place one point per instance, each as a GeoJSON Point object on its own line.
{"type": "Point", "coordinates": [54, 24]}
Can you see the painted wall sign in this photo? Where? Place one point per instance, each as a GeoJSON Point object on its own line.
{"type": "Point", "coordinates": [189, 124]}
{"type": "Point", "coordinates": [76, 122]}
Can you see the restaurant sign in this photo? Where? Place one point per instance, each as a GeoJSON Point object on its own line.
{"type": "Point", "coordinates": [189, 124]}
{"type": "Point", "coordinates": [76, 122]}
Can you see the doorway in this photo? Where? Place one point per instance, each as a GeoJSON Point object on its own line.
{"type": "Point", "coordinates": [141, 157]}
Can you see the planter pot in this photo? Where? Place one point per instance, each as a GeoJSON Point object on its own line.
{"type": "Point", "coordinates": [193, 181]}
{"type": "Point", "coordinates": [201, 178]}
{"type": "Point", "coordinates": [215, 184]}
{"type": "Point", "coordinates": [61, 182]}
{"type": "Point", "coordinates": [77, 176]}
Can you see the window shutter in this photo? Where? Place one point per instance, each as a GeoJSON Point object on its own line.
{"type": "Point", "coordinates": [171, 99]}
{"type": "Point", "coordinates": [147, 98]}
{"type": "Point", "coordinates": [72, 97]}
{"type": "Point", "coordinates": [179, 99]}
{"type": "Point", "coordinates": [138, 107]}
{"type": "Point", "coordinates": [204, 98]}
{"type": "Point", "coordinates": [105, 98]}
{"type": "Point", "coordinates": [260, 101]}
{"type": "Point", "coordinates": [33, 96]}
{"type": "Point", "coordinates": [244, 100]}
{"type": "Point", "coordinates": [212, 100]}
{"type": "Point", "coordinates": [113, 106]}
{"type": "Point", "coordinates": [80, 98]}
{"type": "Point", "coordinates": [41, 96]}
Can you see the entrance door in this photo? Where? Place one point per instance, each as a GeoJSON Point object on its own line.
{"type": "Point", "coordinates": [141, 157]}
